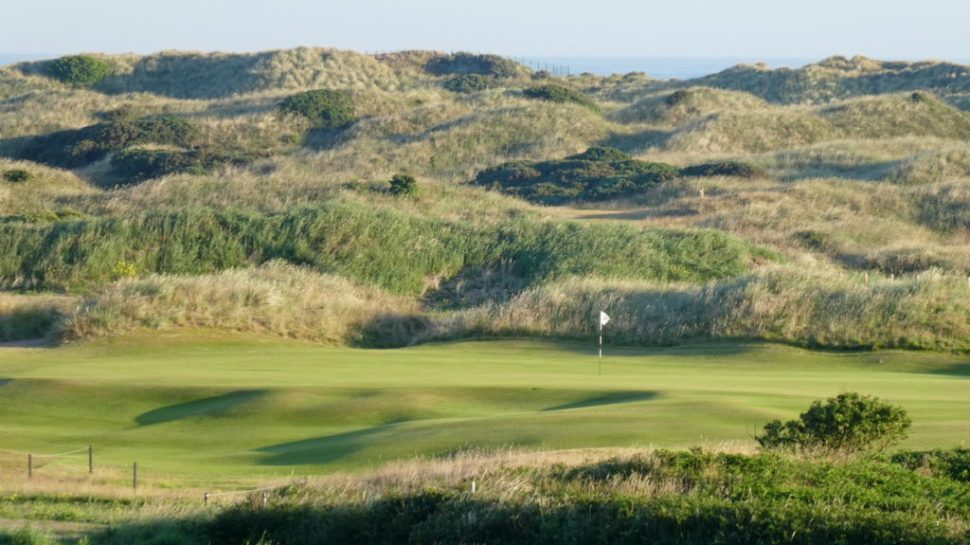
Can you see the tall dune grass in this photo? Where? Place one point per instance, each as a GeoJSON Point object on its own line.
{"type": "Point", "coordinates": [275, 299]}
{"type": "Point", "coordinates": [787, 304]}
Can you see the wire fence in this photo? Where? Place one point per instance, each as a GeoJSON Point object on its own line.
{"type": "Point", "coordinates": [33, 461]}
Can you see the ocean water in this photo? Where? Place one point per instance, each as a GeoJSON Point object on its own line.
{"type": "Point", "coordinates": [656, 67]}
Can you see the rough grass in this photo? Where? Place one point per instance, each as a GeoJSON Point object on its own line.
{"type": "Point", "coordinates": [276, 298]}
{"type": "Point", "coordinates": [925, 311]}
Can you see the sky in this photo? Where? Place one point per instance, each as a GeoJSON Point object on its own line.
{"type": "Point", "coordinates": [755, 29]}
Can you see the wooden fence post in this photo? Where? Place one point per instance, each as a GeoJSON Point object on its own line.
{"type": "Point", "coordinates": [90, 459]}
{"type": "Point", "coordinates": [30, 466]}
{"type": "Point", "coordinates": [134, 476]}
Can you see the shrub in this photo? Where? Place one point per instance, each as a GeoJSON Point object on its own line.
{"type": "Point", "coordinates": [599, 173]}
{"type": "Point", "coordinates": [847, 424]}
{"type": "Point", "coordinates": [403, 184]}
{"type": "Point", "coordinates": [325, 108]}
{"type": "Point", "coordinates": [78, 147]}
{"type": "Point", "coordinates": [79, 70]}
{"type": "Point", "coordinates": [555, 92]}
{"type": "Point", "coordinates": [952, 464]}
{"type": "Point", "coordinates": [723, 168]}
{"type": "Point", "coordinates": [16, 175]}
{"type": "Point", "coordinates": [467, 83]}
{"type": "Point", "coordinates": [140, 164]}
{"type": "Point", "coordinates": [470, 63]}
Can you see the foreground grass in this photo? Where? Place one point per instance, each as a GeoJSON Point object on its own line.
{"type": "Point", "coordinates": [512, 497]}
{"type": "Point", "coordinates": [197, 409]}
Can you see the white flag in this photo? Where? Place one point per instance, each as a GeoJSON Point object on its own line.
{"type": "Point", "coordinates": [604, 318]}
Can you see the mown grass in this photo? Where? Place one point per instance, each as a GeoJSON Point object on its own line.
{"type": "Point", "coordinates": [196, 408]}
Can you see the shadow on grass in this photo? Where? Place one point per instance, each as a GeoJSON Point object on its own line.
{"type": "Point", "coordinates": [322, 450]}
{"type": "Point", "coordinates": [609, 398]}
{"type": "Point", "coordinates": [210, 406]}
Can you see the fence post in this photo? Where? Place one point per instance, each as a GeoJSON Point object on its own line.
{"type": "Point", "coordinates": [134, 476]}
{"type": "Point", "coordinates": [205, 499]}
{"type": "Point", "coordinates": [30, 466]}
{"type": "Point", "coordinates": [265, 499]}
{"type": "Point", "coordinates": [90, 459]}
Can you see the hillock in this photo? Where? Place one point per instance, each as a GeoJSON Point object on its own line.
{"type": "Point", "coordinates": [599, 173]}
{"type": "Point", "coordinates": [463, 63]}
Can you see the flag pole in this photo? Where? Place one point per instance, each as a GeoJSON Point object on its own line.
{"type": "Point", "coordinates": [600, 365]}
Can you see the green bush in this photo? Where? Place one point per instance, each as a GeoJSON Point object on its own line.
{"type": "Point", "coordinates": [16, 175]}
{"type": "Point", "coordinates": [952, 464]}
{"type": "Point", "coordinates": [470, 63]}
{"type": "Point", "coordinates": [79, 147]}
{"type": "Point", "coordinates": [594, 175]}
{"type": "Point", "coordinates": [135, 165]}
{"type": "Point", "coordinates": [403, 184]}
{"type": "Point", "coordinates": [79, 70]}
{"type": "Point", "coordinates": [325, 108]}
{"type": "Point", "coordinates": [846, 425]}
{"type": "Point", "coordinates": [735, 169]}
{"type": "Point", "coordinates": [555, 92]}
{"type": "Point", "coordinates": [467, 83]}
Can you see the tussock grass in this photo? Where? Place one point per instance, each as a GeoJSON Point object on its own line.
{"type": "Point", "coordinates": [672, 108]}
{"type": "Point", "coordinates": [29, 317]}
{"type": "Point", "coordinates": [791, 304]}
{"type": "Point", "coordinates": [275, 298]}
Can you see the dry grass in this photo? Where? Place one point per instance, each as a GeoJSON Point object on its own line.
{"type": "Point", "coordinates": [275, 298]}
{"type": "Point", "coordinates": [795, 304]}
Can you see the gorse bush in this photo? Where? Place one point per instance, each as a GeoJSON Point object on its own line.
{"type": "Point", "coordinates": [16, 175]}
{"type": "Point", "coordinates": [555, 92]}
{"type": "Point", "coordinates": [952, 464]}
{"type": "Point", "coordinates": [324, 108]}
{"type": "Point", "coordinates": [79, 70]}
{"type": "Point", "coordinates": [846, 425]}
{"type": "Point", "coordinates": [470, 63]}
{"type": "Point", "coordinates": [403, 184]}
{"type": "Point", "coordinates": [597, 174]}
{"type": "Point", "coordinates": [79, 147]}
{"type": "Point", "coordinates": [467, 83]}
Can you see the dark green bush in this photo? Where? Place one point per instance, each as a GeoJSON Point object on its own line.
{"type": "Point", "coordinates": [470, 63]}
{"type": "Point", "coordinates": [846, 425]}
{"type": "Point", "coordinates": [403, 184]}
{"type": "Point", "coordinates": [16, 175]}
{"type": "Point", "coordinates": [597, 174]}
{"type": "Point", "coordinates": [555, 92]}
{"type": "Point", "coordinates": [135, 165]}
{"type": "Point", "coordinates": [952, 464]}
{"type": "Point", "coordinates": [735, 169]}
{"type": "Point", "coordinates": [79, 70]}
{"type": "Point", "coordinates": [79, 147]}
{"type": "Point", "coordinates": [325, 108]}
{"type": "Point", "coordinates": [467, 83]}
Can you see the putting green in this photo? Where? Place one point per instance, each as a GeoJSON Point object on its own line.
{"type": "Point", "coordinates": [200, 406]}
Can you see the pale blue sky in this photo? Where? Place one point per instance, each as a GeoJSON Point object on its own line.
{"type": "Point", "coordinates": [904, 29]}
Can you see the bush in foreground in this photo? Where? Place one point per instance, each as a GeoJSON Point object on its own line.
{"type": "Point", "coordinates": [846, 425]}
{"type": "Point", "coordinates": [675, 498]}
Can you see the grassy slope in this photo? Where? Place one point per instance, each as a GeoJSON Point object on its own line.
{"type": "Point", "coordinates": [200, 408]}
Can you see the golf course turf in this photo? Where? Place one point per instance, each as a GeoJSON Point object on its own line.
{"type": "Point", "coordinates": [198, 407]}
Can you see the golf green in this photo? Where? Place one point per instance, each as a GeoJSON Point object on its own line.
{"type": "Point", "coordinates": [203, 406]}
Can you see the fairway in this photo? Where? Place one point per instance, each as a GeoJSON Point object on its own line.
{"type": "Point", "coordinates": [201, 408]}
